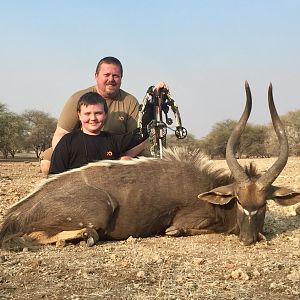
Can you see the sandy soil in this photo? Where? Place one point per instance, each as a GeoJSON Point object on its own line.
{"type": "Point", "coordinates": [211, 266]}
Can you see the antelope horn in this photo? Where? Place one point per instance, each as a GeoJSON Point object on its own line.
{"type": "Point", "coordinates": [273, 172]}
{"type": "Point", "coordinates": [235, 168]}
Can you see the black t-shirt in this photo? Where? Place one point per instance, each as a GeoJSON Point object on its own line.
{"type": "Point", "coordinates": [76, 148]}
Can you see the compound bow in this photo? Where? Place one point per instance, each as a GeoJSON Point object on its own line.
{"type": "Point", "coordinates": [157, 128]}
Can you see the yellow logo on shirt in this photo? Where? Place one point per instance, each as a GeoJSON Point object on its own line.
{"type": "Point", "coordinates": [109, 153]}
{"type": "Point", "coordinates": [121, 118]}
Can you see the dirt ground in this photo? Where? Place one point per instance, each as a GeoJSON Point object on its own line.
{"type": "Point", "coordinates": [211, 266]}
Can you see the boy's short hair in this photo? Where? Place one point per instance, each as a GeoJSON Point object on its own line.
{"type": "Point", "coordinates": [91, 98]}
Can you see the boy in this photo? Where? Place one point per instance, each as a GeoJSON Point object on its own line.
{"type": "Point", "coordinates": [89, 143]}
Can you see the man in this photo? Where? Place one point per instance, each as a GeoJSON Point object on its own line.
{"type": "Point", "coordinates": [90, 143]}
{"type": "Point", "coordinates": [122, 107]}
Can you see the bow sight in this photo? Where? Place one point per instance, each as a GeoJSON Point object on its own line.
{"type": "Point", "coordinates": [161, 102]}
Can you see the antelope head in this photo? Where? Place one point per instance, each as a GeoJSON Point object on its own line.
{"type": "Point", "coordinates": [251, 194]}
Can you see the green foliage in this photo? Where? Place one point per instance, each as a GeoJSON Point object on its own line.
{"type": "Point", "coordinates": [3, 108]}
{"type": "Point", "coordinates": [252, 142]}
{"type": "Point", "coordinates": [190, 142]}
{"type": "Point", "coordinates": [33, 131]}
{"type": "Point", "coordinates": [40, 130]}
{"type": "Point", "coordinates": [30, 131]}
{"type": "Point", "coordinates": [12, 132]}
{"type": "Point", "coordinates": [291, 121]}
{"type": "Point", "coordinates": [214, 144]}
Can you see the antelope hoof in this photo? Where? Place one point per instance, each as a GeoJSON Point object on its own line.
{"type": "Point", "coordinates": [173, 231]}
{"type": "Point", "coordinates": [90, 242]}
{"type": "Point", "coordinates": [91, 237]}
{"type": "Point", "coordinates": [261, 237]}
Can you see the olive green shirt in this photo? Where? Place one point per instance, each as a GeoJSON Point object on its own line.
{"type": "Point", "coordinates": [121, 118]}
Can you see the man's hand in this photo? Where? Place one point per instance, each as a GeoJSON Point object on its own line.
{"type": "Point", "coordinates": [159, 86]}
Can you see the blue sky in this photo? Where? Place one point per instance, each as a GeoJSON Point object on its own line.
{"type": "Point", "coordinates": [203, 49]}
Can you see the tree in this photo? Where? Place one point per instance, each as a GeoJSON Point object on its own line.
{"type": "Point", "coordinates": [253, 141]}
{"type": "Point", "coordinates": [291, 121]}
{"type": "Point", "coordinates": [12, 132]}
{"type": "Point", "coordinates": [214, 144]}
{"type": "Point", "coordinates": [190, 142]}
{"type": "Point", "coordinates": [251, 144]}
{"type": "Point", "coordinates": [3, 108]}
{"type": "Point", "coordinates": [40, 130]}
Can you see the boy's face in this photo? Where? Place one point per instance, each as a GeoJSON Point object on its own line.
{"type": "Point", "coordinates": [92, 118]}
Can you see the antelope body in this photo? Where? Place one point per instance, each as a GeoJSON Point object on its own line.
{"type": "Point", "coordinates": [181, 194]}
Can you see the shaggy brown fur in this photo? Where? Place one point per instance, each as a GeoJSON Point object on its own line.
{"type": "Point", "coordinates": [139, 197]}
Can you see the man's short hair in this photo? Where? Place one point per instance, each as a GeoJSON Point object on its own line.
{"type": "Point", "coordinates": [91, 98]}
{"type": "Point", "coordinates": [109, 60]}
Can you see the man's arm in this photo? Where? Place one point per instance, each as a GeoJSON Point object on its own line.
{"type": "Point", "coordinates": [135, 151]}
{"type": "Point", "coordinates": [134, 141]}
{"type": "Point", "coordinates": [58, 134]}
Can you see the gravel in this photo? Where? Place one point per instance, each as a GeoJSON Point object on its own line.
{"type": "Point", "coordinates": [212, 266]}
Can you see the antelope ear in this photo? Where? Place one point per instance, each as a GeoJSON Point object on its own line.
{"type": "Point", "coordinates": [220, 195]}
{"type": "Point", "coordinates": [284, 196]}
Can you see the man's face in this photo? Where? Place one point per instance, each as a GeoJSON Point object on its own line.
{"type": "Point", "coordinates": [108, 80]}
{"type": "Point", "coordinates": [92, 118]}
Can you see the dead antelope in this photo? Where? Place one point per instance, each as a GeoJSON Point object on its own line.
{"type": "Point", "coordinates": [181, 194]}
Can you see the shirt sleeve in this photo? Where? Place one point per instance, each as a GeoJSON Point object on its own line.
{"type": "Point", "coordinates": [125, 142]}
{"type": "Point", "coordinates": [133, 112]}
{"type": "Point", "coordinates": [68, 116]}
{"type": "Point", "coordinates": [60, 158]}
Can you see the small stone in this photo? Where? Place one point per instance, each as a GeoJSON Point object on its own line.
{"type": "Point", "coordinates": [296, 293]}
{"type": "Point", "coordinates": [280, 266]}
{"type": "Point", "coordinates": [83, 244]}
{"type": "Point", "coordinates": [199, 261]}
{"type": "Point", "coordinates": [239, 274]}
{"type": "Point", "coordinates": [296, 253]}
{"type": "Point", "coordinates": [229, 265]}
{"type": "Point", "coordinates": [294, 275]}
{"type": "Point", "coordinates": [140, 274]}
{"type": "Point", "coordinates": [36, 263]}
{"type": "Point", "coordinates": [3, 258]}
{"type": "Point", "coordinates": [60, 244]}
{"type": "Point", "coordinates": [131, 239]}
{"type": "Point", "coordinates": [273, 285]}
{"type": "Point", "coordinates": [227, 276]}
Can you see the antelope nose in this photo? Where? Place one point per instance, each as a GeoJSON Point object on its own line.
{"type": "Point", "coordinates": [246, 241]}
